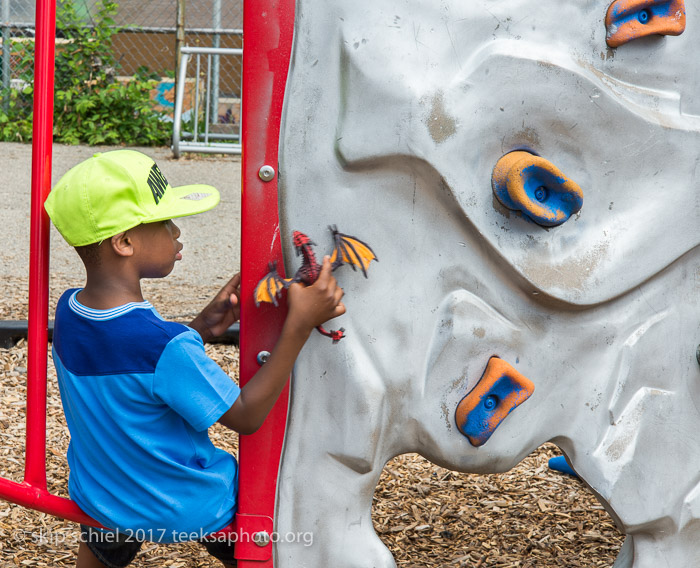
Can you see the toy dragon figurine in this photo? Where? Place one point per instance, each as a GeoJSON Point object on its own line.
{"type": "Point", "coordinates": [348, 250]}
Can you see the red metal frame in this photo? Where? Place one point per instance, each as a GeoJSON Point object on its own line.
{"type": "Point", "coordinates": [32, 492]}
{"type": "Point", "coordinates": [268, 28]}
{"type": "Point", "coordinates": [269, 31]}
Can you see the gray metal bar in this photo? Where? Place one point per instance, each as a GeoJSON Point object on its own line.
{"type": "Point", "coordinates": [21, 25]}
{"type": "Point", "coordinates": [161, 30]}
{"type": "Point", "coordinates": [5, 47]}
{"type": "Point", "coordinates": [240, 114]}
{"type": "Point", "coordinates": [179, 36]}
{"type": "Point", "coordinates": [11, 331]}
{"type": "Point", "coordinates": [150, 30]}
{"type": "Point", "coordinates": [212, 50]}
{"type": "Point", "coordinates": [186, 135]}
{"type": "Point", "coordinates": [211, 148]}
{"type": "Point", "coordinates": [197, 99]}
{"type": "Point", "coordinates": [179, 98]}
{"type": "Point", "coordinates": [208, 107]}
{"type": "Point", "coordinates": [208, 144]}
{"type": "Point", "coordinates": [216, 44]}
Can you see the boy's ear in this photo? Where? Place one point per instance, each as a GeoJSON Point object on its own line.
{"type": "Point", "coordinates": [122, 245]}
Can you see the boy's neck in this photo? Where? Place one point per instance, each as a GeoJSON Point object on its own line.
{"type": "Point", "coordinates": [104, 294]}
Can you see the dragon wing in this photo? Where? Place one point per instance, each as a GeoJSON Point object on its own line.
{"type": "Point", "coordinates": [352, 251]}
{"type": "Point", "coordinates": [271, 286]}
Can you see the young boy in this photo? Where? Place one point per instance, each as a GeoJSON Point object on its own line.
{"type": "Point", "coordinates": [139, 392]}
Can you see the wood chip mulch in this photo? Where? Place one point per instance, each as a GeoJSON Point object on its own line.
{"type": "Point", "coordinates": [529, 517]}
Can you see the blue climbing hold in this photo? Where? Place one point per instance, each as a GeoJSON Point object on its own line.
{"type": "Point", "coordinates": [559, 463]}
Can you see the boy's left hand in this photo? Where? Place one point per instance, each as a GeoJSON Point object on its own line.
{"type": "Point", "coordinates": [221, 312]}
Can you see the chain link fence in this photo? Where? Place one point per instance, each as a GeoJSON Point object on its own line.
{"type": "Point", "coordinates": [150, 33]}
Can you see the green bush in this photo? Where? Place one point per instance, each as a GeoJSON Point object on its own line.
{"type": "Point", "coordinates": [90, 105]}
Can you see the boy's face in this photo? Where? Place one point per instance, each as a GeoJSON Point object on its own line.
{"type": "Point", "coordinates": [156, 248]}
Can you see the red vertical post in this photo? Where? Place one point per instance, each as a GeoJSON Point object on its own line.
{"type": "Point", "coordinates": [35, 464]}
{"type": "Point", "coordinates": [32, 492]}
{"type": "Point", "coordinates": [268, 27]}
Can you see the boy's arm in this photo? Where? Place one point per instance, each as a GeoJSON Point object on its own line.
{"type": "Point", "coordinates": [309, 307]}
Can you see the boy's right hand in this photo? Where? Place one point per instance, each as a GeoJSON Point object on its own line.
{"type": "Point", "coordinates": [311, 306]}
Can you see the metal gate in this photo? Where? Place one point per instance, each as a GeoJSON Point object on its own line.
{"type": "Point", "coordinates": [206, 129]}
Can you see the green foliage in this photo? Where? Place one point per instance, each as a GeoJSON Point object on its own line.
{"type": "Point", "coordinates": [90, 106]}
{"type": "Point", "coordinates": [15, 126]}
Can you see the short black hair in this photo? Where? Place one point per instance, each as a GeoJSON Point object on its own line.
{"type": "Point", "coordinates": [90, 254]}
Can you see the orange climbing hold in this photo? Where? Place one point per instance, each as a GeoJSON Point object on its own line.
{"type": "Point", "coordinates": [530, 184]}
{"type": "Point", "coordinates": [628, 20]}
{"type": "Point", "coordinates": [500, 390]}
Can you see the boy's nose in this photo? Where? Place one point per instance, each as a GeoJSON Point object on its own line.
{"type": "Point", "coordinates": [176, 230]}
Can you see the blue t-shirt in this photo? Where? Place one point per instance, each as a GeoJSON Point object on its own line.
{"type": "Point", "coordinates": [139, 394]}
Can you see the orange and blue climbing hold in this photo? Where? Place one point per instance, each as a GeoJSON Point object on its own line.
{"type": "Point", "coordinates": [534, 186]}
{"type": "Point", "coordinates": [500, 390]}
{"type": "Point", "coordinates": [628, 20]}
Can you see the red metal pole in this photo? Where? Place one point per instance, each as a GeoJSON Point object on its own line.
{"type": "Point", "coordinates": [41, 500]}
{"type": "Point", "coordinates": [268, 27]}
{"type": "Point", "coordinates": [32, 492]}
{"type": "Point", "coordinates": [35, 464]}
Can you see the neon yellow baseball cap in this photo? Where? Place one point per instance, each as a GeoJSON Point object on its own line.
{"type": "Point", "coordinates": [112, 192]}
